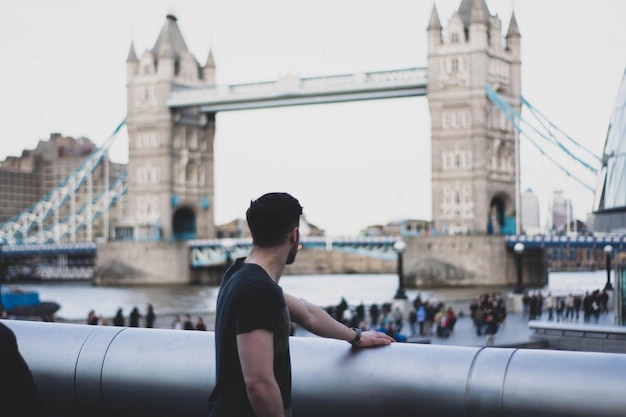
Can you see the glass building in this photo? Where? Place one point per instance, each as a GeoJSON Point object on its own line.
{"type": "Point", "coordinates": [610, 198]}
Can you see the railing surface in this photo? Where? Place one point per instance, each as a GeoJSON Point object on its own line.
{"type": "Point", "coordinates": [114, 371]}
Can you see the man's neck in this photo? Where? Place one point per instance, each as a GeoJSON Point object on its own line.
{"type": "Point", "coordinates": [272, 260]}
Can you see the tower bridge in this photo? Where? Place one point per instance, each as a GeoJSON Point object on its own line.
{"type": "Point", "coordinates": [168, 206]}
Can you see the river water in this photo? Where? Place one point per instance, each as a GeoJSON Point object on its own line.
{"type": "Point", "coordinates": [77, 299]}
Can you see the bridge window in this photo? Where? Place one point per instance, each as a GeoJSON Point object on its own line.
{"type": "Point", "coordinates": [202, 175]}
{"type": "Point", "coordinates": [456, 160]}
{"type": "Point", "coordinates": [465, 119]}
{"type": "Point", "coordinates": [148, 209]}
{"type": "Point", "coordinates": [148, 175]}
{"type": "Point", "coordinates": [454, 65]}
{"type": "Point", "coordinates": [147, 140]}
{"type": "Point", "coordinates": [191, 173]}
{"type": "Point", "coordinates": [147, 95]}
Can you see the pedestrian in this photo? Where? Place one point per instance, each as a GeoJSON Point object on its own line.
{"type": "Point", "coordinates": [421, 318]}
{"type": "Point", "coordinates": [560, 308]}
{"type": "Point", "coordinates": [491, 327]}
{"type": "Point", "coordinates": [412, 318]}
{"type": "Point", "coordinates": [374, 313]}
{"type": "Point", "coordinates": [150, 317]}
{"type": "Point", "coordinates": [19, 395]}
{"type": "Point", "coordinates": [550, 306]}
{"type": "Point", "coordinates": [187, 323]}
{"type": "Point", "coordinates": [477, 317]}
{"type": "Point", "coordinates": [525, 303]}
{"type": "Point", "coordinates": [252, 324]}
{"type": "Point", "coordinates": [569, 304]}
{"type": "Point", "coordinates": [134, 317]}
{"type": "Point", "coordinates": [398, 319]}
{"type": "Point", "coordinates": [200, 324]}
{"type": "Point", "coordinates": [92, 318]}
{"type": "Point", "coordinates": [176, 323]}
{"type": "Point", "coordinates": [577, 304]}
{"type": "Point", "coordinates": [119, 320]}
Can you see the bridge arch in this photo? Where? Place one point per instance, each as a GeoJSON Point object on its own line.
{"type": "Point", "coordinates": [184, 225]}
{"type": "Point", "coordinates": [501, 214]}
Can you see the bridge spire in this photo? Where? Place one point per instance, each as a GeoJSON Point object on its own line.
{"type": "Point", "coordinates": [208, 71]}
{"type": "Point", "coordinates": [434, 29]}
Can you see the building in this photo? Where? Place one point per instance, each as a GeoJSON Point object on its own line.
{"type": "Point", "coordinates": [475, 157]}
{"type": "Point", "coordinates": [170, 168]}
{"type": "Point", "coordinates": [562, 221]}
{"type": "Point", "coordinates": [405, 227]}
{"type": "Point", "coordinates": [530, 213]}
{"type": "Point", "coordinates": [28, 178]}
{"type": "Point", "coordinates": [238, 228]}
{"type": "Point", "coordinates": [610, 197]}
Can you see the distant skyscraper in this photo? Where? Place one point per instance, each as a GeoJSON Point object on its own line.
{"type": "Point", "coordinates": [530, 211]}
{"type": "Point", "coordinates": [561, 212]}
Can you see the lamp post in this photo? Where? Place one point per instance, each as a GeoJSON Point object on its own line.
{"type": "Point", "coordinates": [399, 247]}
{"type": "Point", "coordinates": [608, 251]}
{"type": "Point", "coordinates": [519, 250]}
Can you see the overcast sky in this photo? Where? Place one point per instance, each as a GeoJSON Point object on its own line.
{"type": "Point", "coordinates": [352, 164]}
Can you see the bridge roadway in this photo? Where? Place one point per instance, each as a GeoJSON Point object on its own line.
{"type": "Point", "coordinates": [293, 91]}
{"type": "Point", "coordinates": [550, 241]}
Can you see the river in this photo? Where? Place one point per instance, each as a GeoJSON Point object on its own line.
{"type": "Point", "coordinates": [77, 299]}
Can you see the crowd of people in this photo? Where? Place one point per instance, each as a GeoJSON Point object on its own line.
{"type": "Point", "coordinates": [566, 308]}
{"type": "Point", "coordinates": [187, 324]}
{"type": "Point", "coordinates": [488, 313]}
{"type": "Point", "coordinates": [135, 317]}
{"type": "Point", "coordinates": [423, 318]}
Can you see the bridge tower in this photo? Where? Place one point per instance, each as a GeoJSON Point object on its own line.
{"type": "Point", "coordinates": [475, 150]}
{"type": "Point", "coordinates": [170, 166]}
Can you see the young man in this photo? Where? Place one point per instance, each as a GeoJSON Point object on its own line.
{"type": "Point", "coordinates": [253, 320]}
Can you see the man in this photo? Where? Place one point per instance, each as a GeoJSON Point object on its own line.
{"type": "Point", "coordinates": [19, 395]}
{"type": "Point", "coordinates": [253, 320]}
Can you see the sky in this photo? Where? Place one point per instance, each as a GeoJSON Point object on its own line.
{"type": "Point", "coordinates": [351, 165]}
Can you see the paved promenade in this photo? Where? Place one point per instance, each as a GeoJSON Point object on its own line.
{"type": "Point", "coordinates": [514, 332]}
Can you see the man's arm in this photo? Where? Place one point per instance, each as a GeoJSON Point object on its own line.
{"type": "Point", "coordinates": [317, 321]}
{"type": "Point", "coordinates": [256, 354]}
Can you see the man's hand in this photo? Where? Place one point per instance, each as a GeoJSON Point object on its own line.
{"type": "Point", "coordinates": [374, 338]}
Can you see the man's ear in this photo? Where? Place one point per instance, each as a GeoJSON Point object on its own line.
{"type": "Point", "coordinates": [293, 235]}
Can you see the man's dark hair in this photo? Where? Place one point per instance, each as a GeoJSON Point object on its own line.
{"type": "Point", "coordinates": [271, 217]}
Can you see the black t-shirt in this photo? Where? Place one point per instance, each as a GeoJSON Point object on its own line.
{"type": "Point", "coordinates": [248, 300]}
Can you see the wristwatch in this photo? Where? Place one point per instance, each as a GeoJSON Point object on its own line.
{"type": "Point", "coordinates": [357, 336]}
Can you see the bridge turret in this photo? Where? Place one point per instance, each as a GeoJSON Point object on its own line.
{"type": "Point", "coordinates": [434, 30]}
{"type": "Point", "coordinates": [513, 46]}
{"type": "Point", "coordinates": [209, 69]}
{"type": "Point", "coordinates": [479, 25]}
{"type": "Point", "coordinates": [132, 63]}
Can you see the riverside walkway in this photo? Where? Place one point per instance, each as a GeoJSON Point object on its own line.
{"type": "Point", "coordinates": [513, 333]}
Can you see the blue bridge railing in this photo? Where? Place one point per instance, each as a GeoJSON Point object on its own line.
{"type": "Point", "coordinates": [212, 252]}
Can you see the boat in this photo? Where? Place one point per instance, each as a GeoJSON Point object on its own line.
{"type": "Point", "coordinates": [16, 302]}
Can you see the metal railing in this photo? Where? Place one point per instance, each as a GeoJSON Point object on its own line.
{"type": "Point", "coordinates": [114, 371]}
